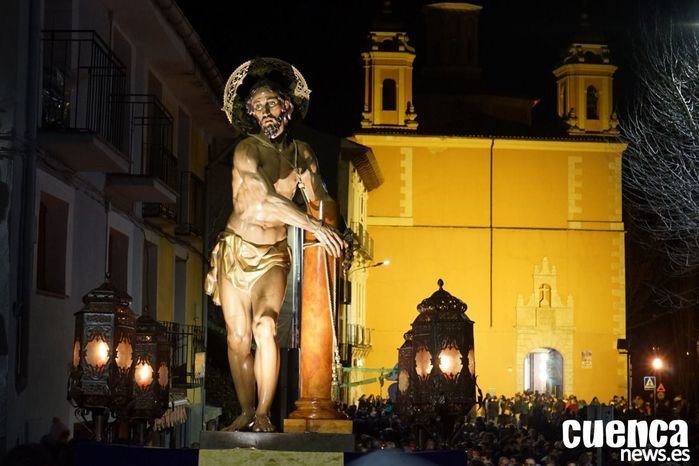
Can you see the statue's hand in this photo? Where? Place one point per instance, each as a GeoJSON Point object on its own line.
{"type": "Point", "coordinates": [330, 240]}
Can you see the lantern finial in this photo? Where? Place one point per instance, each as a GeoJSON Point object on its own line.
{"type": "Point", "coordinates": [440, 282]}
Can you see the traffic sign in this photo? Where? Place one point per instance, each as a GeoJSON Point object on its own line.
{"type": "Point", "coordinates": [661, 388]}
{"type": "Point", "coordinates": [649, 382]}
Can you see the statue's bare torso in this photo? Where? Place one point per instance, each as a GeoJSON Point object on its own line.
{"type": "Point", "coordinates": [249, 219]}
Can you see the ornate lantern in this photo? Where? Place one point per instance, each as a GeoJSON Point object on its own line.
{"type": "Point", "coordinates": [405, 369]}
{"type": "Point", "coordinates": [151, 375]}
{"type": "Point", "coordinates": [438, 359]}
{"type": "Point", "coordinates": [102, 353]}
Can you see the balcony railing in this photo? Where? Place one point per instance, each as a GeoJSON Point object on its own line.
{"type": "Point", "coordinates": [358, 335]}
{"type": "Point", "coordinates": [365, 243]}
{"type": "Point", "coordinates": [191, 208]}
{"type": "Point", "coordinates": [151, 135]}
{"type": "Point", "coordinates": [186, 342]}
{"type": "Point", "coordinates": [80, 74]}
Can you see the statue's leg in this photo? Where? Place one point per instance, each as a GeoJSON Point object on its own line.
{"type": "Point", "coordinates": [267, 299]}
{"type": "Point", "coordinates": [237, 312]}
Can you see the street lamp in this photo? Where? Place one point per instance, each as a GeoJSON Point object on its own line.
{"type": "Point", "coordinates": [657, 363]}
{"type": "Point", "coordinates": [370, 266]}
{"type": "Point", "coordinates": [99, 380]}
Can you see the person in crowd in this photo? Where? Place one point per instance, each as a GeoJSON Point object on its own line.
{"type": "Point", "coordinates": [525, 431]}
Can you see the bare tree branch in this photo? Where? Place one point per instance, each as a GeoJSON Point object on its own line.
{"type": "Point", "coordinates": [661, 177]}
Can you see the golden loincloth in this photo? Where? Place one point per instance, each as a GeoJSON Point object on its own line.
{"type": "Point", "coordinates": [242, 262]}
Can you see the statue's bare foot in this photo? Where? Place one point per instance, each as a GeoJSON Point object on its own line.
{"type": "Point", "coordinates": [262, 424]}
{"type": "Point", "coordinates": [242, 421]}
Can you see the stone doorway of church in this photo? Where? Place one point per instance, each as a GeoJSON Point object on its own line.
{"type": "Point", "coordinates": [543, 371]}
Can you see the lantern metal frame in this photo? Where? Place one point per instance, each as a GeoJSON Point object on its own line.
{"type": "Point", "coordinates": [152, 347]}
{"type": "Point", "coordinates": [405, 362]}
{"type": "Point", "coordinates": [102, 389]}
{"type": "Point", "coordinates": [442, 324]}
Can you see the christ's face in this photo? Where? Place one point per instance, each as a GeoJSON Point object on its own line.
{"type": "Point", "coordinates": [271, 110]}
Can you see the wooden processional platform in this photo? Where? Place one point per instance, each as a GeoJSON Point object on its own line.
{"type": "Point", "coordinates": [291, 441]}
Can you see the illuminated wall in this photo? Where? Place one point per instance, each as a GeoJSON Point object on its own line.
{"type": "Point", "coordinates": [527, 232]}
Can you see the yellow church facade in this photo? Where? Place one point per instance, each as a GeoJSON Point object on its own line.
{"type": "Point", "coordinates": [526, 230]}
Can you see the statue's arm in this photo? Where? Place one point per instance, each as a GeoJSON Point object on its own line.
{"type": "Point", "coordinates": [261, 199]}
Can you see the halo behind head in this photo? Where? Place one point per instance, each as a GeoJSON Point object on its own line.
{"type": "Point", "coordinates": [245, 78]}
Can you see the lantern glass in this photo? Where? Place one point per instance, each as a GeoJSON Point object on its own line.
{"type": "Point", "coordinates": [124, 354]}
{"type": "Point", "coordinates": [97, 352]}
{"type": "Point", "coordinates": [403, 381]}
{"type": "Point", "coordinates": [76, 354]}
{"type": "Point", "coordinates": [472, 362]}
{"type": "Point", "coordinates": [163, 375]}
{"type": "Point", "coordinates": [143, 374]}
{"type": "Point", "coordinates": [423, 363]}
{"type": "Point", "coordinates": [450, 362]}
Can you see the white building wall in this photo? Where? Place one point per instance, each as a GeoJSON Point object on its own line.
{"type": "Point", "coordinates": [26, 416]}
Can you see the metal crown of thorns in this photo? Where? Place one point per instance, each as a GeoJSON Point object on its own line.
{"type": "Point", "coordinates": [290, 80]}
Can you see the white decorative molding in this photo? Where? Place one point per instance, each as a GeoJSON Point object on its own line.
{"type": "Point", "coordinates": [574, 187]}
{"type": "Point", "coordinates": [614, 186]}
{"type": "Point", "coordinates": [618, 290]}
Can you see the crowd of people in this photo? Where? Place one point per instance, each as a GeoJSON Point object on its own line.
{"type": "Point", "coordinates": [521, 430]}
{"type": "Point", "coordinates": [505, 431]}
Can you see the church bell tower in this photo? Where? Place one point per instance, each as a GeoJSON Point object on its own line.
{"type": "Point", "coordinates": [388, 76]}
{"type": "Point", "coordinates": [584, 85]}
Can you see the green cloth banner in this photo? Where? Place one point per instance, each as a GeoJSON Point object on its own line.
{"type": "Point", "coordinates": [359, 382]}
{"type": "Point", "coordinates": [369, 369]}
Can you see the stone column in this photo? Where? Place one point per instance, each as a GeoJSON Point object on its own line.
{"type": "Point", "coordinates": [316, 412]}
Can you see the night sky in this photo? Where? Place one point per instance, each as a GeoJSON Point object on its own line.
{"type": "Point", "coordinates": [520, 43]}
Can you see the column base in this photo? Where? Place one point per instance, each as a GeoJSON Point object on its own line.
{"type": "Point", "coordinates": [316, 408]}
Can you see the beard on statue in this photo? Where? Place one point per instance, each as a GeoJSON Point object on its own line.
{"type": "Point", "coordinates": [272, 126]}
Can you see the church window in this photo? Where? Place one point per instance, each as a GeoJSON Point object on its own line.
{"type": "Point", "coordinates": [389, 94]}
{"type": "Point", "coordinates": [592, 98]}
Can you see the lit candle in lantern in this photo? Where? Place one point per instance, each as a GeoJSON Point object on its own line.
{"type": "Point", "coordinates": [102, 353]}
{"type": "Point", "coordinates": [97, 352]}
{"type": "Point", "coordinates": [143, 374]}
{"type": "Point", "coordinates": [450, 361]}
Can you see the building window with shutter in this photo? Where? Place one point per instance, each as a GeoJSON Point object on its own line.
{"type": "Point", "coordinates": [51, 245]}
